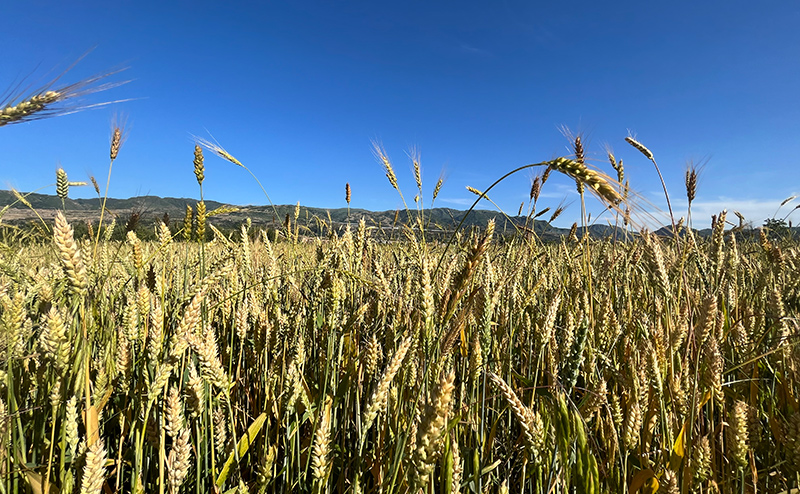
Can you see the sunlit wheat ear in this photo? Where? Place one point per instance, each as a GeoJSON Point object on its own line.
{"type": "Point", "coordinates": [701, 460]}
{"type": "Point", "coordinates": [53, 341]}
{"type": "Point", "coordinates": [62, 184]}
{"type": "Point", "coordinates": [95, 184]}
{"type": "Point", "coordinates": [187, 327]}
{"type": "Point", "coordinates": [531, 423]}
{"type": "Point", "coordinates": [199, 167]}
{"type": "Point", "coordinates": [347, 192]}
{"type": "Point", "coordinates": [381, 392]}
{"type": "Point", "coordinates": [320, 463]}
{"type": "Point", "coordinates": [174, 413]}
{"type": "Point", "coordinates": [616, 165]}
{"type": "Point", "coordinates": [219, 151]}
{"type": "Point", "coordinates": [94, 473]}
{"type": "Point", "coordinates": [201, 221]}
{"type": "Point", "coordinates": [178, 461]}
{"type": "Point", "coordinates": [669, 483]}
{"type": "Point", "coordinates": [205, 346]}
{"type": "Point", "coordinates": [657, 264]}
{"type": "Point", "coordinates": [458, 467]}
{"type": "Point", "coordinates": [380, 153]}
{"type": "Point", "coordinates": [71, 425]}
{"type": "Point", "coordinates": [549, 320]}
{"type": "Point", "coordinates": [164, 235]}
{"type": "Point", "coordinates": [708, 316]}
{"type": "Point", "coordinates": [187, 223]}
{"type": "Point", "coordinates": [109, 231]}
{"type": "Point", "coordinates": [69, 254]}
{"type": "Point", "coordinates": [29, 108]}
{"type": "Point", "coordinates": [430, 430]}
{"type": "Point", "coordinates": [196, 390]}
{"type": "Point", "coordinates": [640, 147]}
{"type": "Point", "coordinates": [738, 437]}
{"type": "Point", "coordinates": [49, 101]}
{"type": "Point", "coordinates": [632, 425]}
{"type": "Point", "coordinates": [21, 198]}
{"type": "Point", "coordinates": [580, 172]}
{"type": "Point", "coordinates": [136, 250]}
{"type": "Point", "coordinates": [116, 143]}
{"type": "Point", "coordinates": [220, 430]}
{"type": "Point", "coordinates": [476, 192]}
{"type": "Point", "coordinates": [438, 187]}
{"type": "Point", "coordinates": [415, 159]}
{"type": "Point", "coordinates": [372, 355]}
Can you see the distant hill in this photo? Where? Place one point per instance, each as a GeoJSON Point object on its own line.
{"type": "Point", "coordinates": [151, 208]}
{"type": "Point", "coordinates": [44, 201]}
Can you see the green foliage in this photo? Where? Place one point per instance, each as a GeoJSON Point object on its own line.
{"type": "Point", "coordinates": [777, 228]}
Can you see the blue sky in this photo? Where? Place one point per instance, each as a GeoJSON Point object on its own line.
{"type": "Point", "coordinates": [298, 90]}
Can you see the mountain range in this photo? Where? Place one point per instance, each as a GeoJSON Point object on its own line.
{"type": "Point", "coordinates": [147, 209]}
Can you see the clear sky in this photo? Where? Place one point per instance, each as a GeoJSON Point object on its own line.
{"type": "Point", "coordinates": [297, 90]}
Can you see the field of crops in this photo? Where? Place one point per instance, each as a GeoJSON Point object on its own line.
{"type": "Point", "coordinates": [344, 365]}
{"type": "Point", "coordinates": [274, 361]}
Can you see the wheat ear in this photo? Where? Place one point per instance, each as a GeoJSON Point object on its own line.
{"type": "Point", "coordinates": [320, 463]}
{"type": "Point", "coordinates": [94, 473]}
{"type": "Point", "coordinates": [70, 254]}
{"type": "Point", "coordinates": [581, 173]}
{"type": "Point", "coordinates": [378, 399]}
{"type": "Point", "coordinates": [430, 430]}
{"type": "Point", "coordinates": [532, 428]}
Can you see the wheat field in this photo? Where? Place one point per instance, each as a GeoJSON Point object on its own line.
{"type": "Point", "coordinates": [344, 364]}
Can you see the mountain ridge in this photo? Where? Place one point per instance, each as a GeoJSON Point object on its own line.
{"type": "Point", "coordinates": [151, 207]}
{"type": "Point", "coordinates": [148, 208]}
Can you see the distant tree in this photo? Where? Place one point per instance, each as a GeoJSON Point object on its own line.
{"type": "Point", "coordinates": [776, 227]}
{"type": "Point", "coordinates": [80, 230]}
